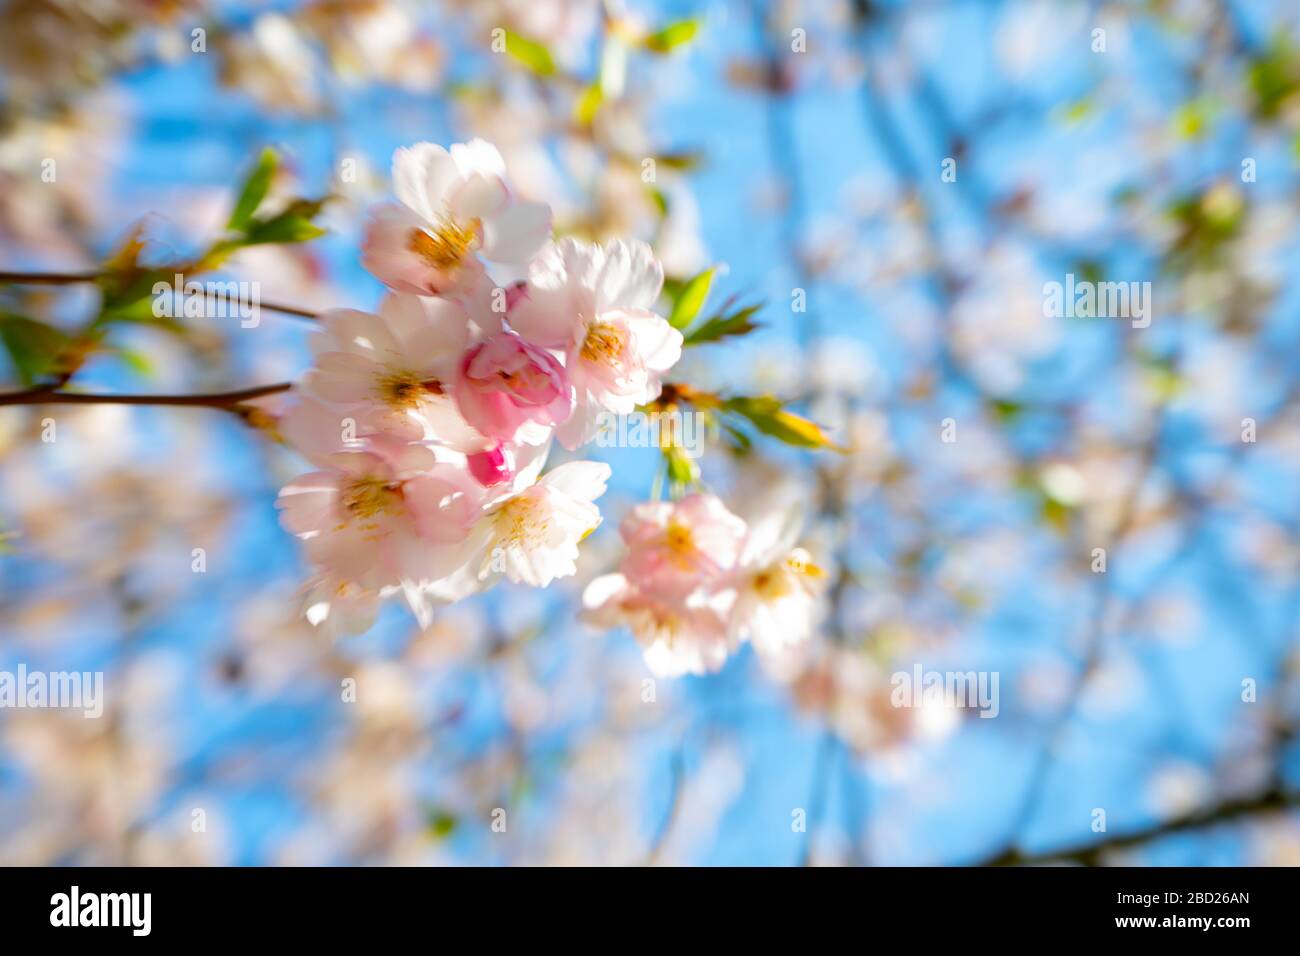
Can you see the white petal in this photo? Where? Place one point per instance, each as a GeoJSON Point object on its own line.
{"type": "Point", "coordinates": [477, 197]}
{"type": "Point", "coordinates": [355, 331]}
{"type": "Point", "coordinates": [307, 503]}
{"type": "Point", "coordinates": [515, 232]}
{"type": "Point", "coordinates": [631, 278]}
{"type": "Point", "coordinates": [342, 377]}
{"type": "Point", "coordinates": [478, 156]}
{"type": "Point", "coordinates": [580, 426]}
{"type": "Point", "coordinates": [658, 344]}
{"type": "Point", "coordinates": [603, 590]}
{"type": "Point", "coordinates": [581, 480]}
{"type": "Point", "coordinates": [423, 175]}
{"type": "Point", "coordinates": [547, 317]}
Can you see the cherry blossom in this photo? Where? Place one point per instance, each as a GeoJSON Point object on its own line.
{"type": "Point", "coordinates": [697, 582]}
{"type": "Point", "coordinates": [677, 636]}
{"type": "Point", "coordinates": [777, 586]}
{"type": "Point", "coordinates": [677, 547]}
{"type": "Point", "coordinates": [594, 303]}
{"type": "Point", "coordinates": [430, 422]}
{"type": "Point", "coordinates": [454, 206]}
{"type": "Point", "coordinates": [396, 370]}
{"type": "Point", "coordinates": [360, 515]}
{"type": "Point", "coordinates": [532, 536]}
{"type": "Point", "coordinates": [512, 390]}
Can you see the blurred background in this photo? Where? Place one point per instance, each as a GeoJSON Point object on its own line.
{"type": "Point", "coordinates": [911, 174]}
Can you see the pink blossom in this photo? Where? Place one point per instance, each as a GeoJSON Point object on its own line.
{"type": "Point", "coordinates": [394, 371]}
{"type": "Point", "coordinates": [594, 303]}
{"type": "Point", "coordinates": [531, 534]}
{"type": "Point", "coordinates": [677, 635]}
{"type": "Point", "coordinates": [512, 390]}
{"type": "Point", "coordinates": [676, 548]}
{"type": "Point", "coordinates": [778, 585]}
{"type": "Point", "coordinates": [376, 518]}
{"type": "Point", "coordinates": [454, 206]}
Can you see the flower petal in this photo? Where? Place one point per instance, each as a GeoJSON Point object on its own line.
{"type": "Point", "coordinates": [515, 232]}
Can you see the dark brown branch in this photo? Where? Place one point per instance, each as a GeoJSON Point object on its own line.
{"type": "Point", "coordinates": [76, 278]}
{"type": "Point", "coordinates": [223, 400]}
{"type": "Point", "coordinates": [1090, 854]}
{"type": "Point", "coordinates": [47, 278]}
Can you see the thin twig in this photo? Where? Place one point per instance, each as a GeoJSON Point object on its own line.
{"type": "Point", "coordinates": [223, 400]}
{"type": "Point", "coordinates": [678, 787]}
{"type": "Point", "coordinates": [77, 278]}
{"type": "Point", "coordinates": [1273, 799]}
{"type": "Point", "coordinates": [47, 278]}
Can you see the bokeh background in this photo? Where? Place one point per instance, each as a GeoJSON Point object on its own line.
{"type": "Point", "coordinates": [801, 146]}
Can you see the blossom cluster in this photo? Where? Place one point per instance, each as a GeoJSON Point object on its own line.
{"type": "Point", "coordinates": [697, 580]}
{"type": "Point", "coordinates": [429, 422]}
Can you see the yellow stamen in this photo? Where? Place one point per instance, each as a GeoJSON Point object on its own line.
{"type": "Point", "coordinates": [445, 247]}
{"type": "Point", "coordinates": [370, 496]}
{"type": "Point", "coordinates": [404, 390]}
{"type": "Point", "coordinates": [681, 543]}
{"type": "Point", "coordinates": [800, 562]}
{"type": "Point", "coordinates": [520, 524]}
{"type": "Point", "coordinates": [604, 343]}
{"type": "Point", "coordinates": [771, 585]}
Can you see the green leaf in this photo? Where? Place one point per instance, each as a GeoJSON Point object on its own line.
{"type": "Point", "coordinates": [141, 312]}
{"type": "Point", "coordinates": [584, 111]}
{"type": "Point", "coordinates": [682, 469]}
{"type": "Point", "coordinates": [1161, 376]}
{"type": "Point", "coordinates": [687, 304]}
{"type": "Point", "coordinates": [284, 229]}
{"type": "Point", "coordinates": [661, 203]}
{"type": "Point", "coordinates": [768, 415]}
{"type": "Point", "coordinates": [125, 258]}
{"type": "Point", "coordinates": [679, 161]}
{"type": "Point", "coordinates": [723, 325]}
{"type": "Point", "coordinates": [1054, 513]}
{"type": "Point", "coordinates": [136, 361]}
{"type": "Point", "coordinates": [441, 824]}
{"type": "Point", "coordinates": [34, 347]}
{"type": "Point", "coordinates": [254, 191]}
{"type": "Point", "coordinates": [1077, 111]}
{"type": "Point", "coordinates": [1005, 410]}
{"type": "Point", "coordinates": [737, 440]}
{"type": "Point", "coordinates": [1274, 77]}
{"type": "Point", "coordinates": [672, 36]}
{"type": "Point", "coordinates": [1192, 119]}
{"type": "Point", "coordinates": [530, 53]}
{"type": "Point", "coordinates": [131, 294]}
{"type": "Point", "coordinates": [294, 224]}
{"type": "Point", "coordinates": [122, 271]}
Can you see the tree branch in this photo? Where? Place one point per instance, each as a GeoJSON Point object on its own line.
{"type": "Point", "coordinates": [47, 278]}
{"type": "Point", "coordinates": [1089, 854]}
{"type": "Point", "coordinates": [77, 278]}
{"type": "Point", "coordinates": [229, 401]}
